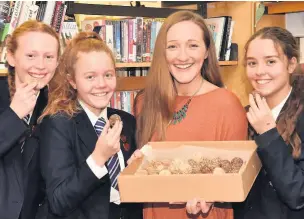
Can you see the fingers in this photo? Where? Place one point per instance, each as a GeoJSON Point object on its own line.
{"type": "Point", "coordinates": [30, 87]}
{"type": "Point", "coordinates": [252, 103]}
{"type": "Point", "coordinates": [137, 154]}
{"type": "Point", "coordinates": [259, 102]}
{"type": "Point", "coordinates": [193, 206]}
{"type": "Point", "coordinates": [205, 206]}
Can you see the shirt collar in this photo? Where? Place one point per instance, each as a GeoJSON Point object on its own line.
{"type": "Point", "coordinates": [92, 117]}
{"type": "Point", "coordinates": [277, 109]}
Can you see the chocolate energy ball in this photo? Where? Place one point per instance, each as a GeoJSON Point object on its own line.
{"type": "Point", "coordinates": [206, 169]}
{"type": "Point", "coordinates": [113, 118]}
{"type": "Point", "coordinates": [236, 164]}
{"type": "Point", "coordinates": [225, 165]}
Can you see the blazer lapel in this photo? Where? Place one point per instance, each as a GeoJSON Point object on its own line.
{"type": "Point", "coordinates": [85, 130]}
{"type": "Point", "coordinates": [31, 143]}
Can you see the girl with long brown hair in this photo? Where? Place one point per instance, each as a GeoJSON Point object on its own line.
{"type": "Point", "coordinates": [184, 100]}
{"type": "Point", "coordinates": [32, 54]}
{"type": "Point", "coordinates": [81, 155]}
{"type": "Point", "coordinates": [276, 117]}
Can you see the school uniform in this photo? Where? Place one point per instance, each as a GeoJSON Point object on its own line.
{"type": "Point", "coordinates": [278, 192]}
{"type": "Point", "coordinates": [76, 187]}
{"type": "Point", "coordinates": [21, 190]}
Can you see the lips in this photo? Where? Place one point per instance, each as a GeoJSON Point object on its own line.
{"type": "Point", "coordinates": [99, 94]}
{"type": "Point", "coordinates": [37, 75]}
{"type": "Point", "coordinates": [263, 81]}
{"type": "Point", "coordinates": [183, 66]}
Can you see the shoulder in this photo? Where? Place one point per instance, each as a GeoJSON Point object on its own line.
{"type": "Point", "coordinates": [226, 98]}
{"type": "Point", "coordinates": [59, 119]}
{"type": "Point", "coordinates": [300, 125]}
{"type": "Point", "coordinates": [4, 92]}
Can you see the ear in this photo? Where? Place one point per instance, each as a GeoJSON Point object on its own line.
{"type": "Point", "coordinates": [10, 59]}
{"type": "Point", "coordinates": [292, 64]}
{"type": "Point", "coordinates": [72, 82]}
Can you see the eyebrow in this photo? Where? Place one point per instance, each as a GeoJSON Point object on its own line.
{"type": "Point", "coordinates": [177, 40]}
{"type": "Point", "coordinates": [267, 57]}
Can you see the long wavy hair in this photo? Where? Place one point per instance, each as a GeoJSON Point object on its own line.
{"type": "Point", "coordinates": [287, 120]}
{"type": "Point", "coordinates": [159, 94]}
{"type": "Point", "coordinates": [12, 45]}
{"type": "Point", "coordinates": [62, 96]}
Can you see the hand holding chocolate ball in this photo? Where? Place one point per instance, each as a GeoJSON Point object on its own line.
{"type": "Point", "coordinates": [259, 114]}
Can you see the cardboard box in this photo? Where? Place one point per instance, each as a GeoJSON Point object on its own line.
{"type": "Point", "coordinates": [181, 188]}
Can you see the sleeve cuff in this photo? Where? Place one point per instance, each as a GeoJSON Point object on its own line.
{"type": "Point", "coordinates": [266, 138]}
{"type": "Point", "coordinates": [99, 171]}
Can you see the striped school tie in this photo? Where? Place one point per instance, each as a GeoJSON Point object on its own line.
{"type": "Point", "coordinates": [26, 120]}
{"type": "Point", "coordinates": [113, 163]}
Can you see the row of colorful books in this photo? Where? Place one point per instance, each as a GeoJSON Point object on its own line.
{"type": "Point", "coordinates": [124, 100]}
{"type": "Point", "coordinates": [131, 72]}
{"type": "Point", "coordinates": [131, 40]}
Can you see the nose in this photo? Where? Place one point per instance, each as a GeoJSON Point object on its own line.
{"type": "Point", "coordinates": [40, 63]}
{"type": "Point", "coordinates": [183, 54]}
{"type": "Point", "coordinates": [261, 70]}
{"type": "Point", "coordinates": [100, 82]}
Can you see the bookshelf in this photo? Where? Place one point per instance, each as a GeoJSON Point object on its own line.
{"type": "Point", "coordinates": [132, 83]}
{"type": "Point", "coordinates": [284, 7]}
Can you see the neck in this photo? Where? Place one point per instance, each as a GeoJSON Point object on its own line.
{"type": "Point", "coordinates": [277, 98]}
{"type": "Point", "coordinates": [190, 88]}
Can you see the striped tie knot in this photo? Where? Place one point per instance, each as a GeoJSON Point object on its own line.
{"type": "Point", "coordinates": [99, 125]}
{"type": "Point", "coordinates": [26, 119]}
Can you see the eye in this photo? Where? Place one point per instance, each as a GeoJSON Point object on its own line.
{"type": "Point", "coordinates": [30, 55]}
{"type": "Point", "coordinates": [271, 62]}
{"type": "Point", "coordinates": [109, 75]}
{"type": "Point", "coordinates": [193, 45]}
{"type": "Point", "coordinates": [171, 47]}
{"type": "Point", "coordinates": [49, 57]}
{"type": "Point", "coordinates": [251, 63]}
{"type": "Point", "coordinates": [89, 77]}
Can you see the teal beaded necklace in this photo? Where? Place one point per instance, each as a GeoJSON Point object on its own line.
{"type": "Point", "coordinates": [179, 115]}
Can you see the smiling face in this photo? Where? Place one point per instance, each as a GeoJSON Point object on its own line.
{"type": "Point", "coordinates": [268, 69]}
{"type": "Point", "coordinates": [185, 52]}
{"type": "Point", "coordinates": [95, 80]}
{"type": "Point", "coordinates": [34, 59]}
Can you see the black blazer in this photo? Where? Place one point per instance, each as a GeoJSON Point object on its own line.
{"type": "Point", "coordinates": [278, 192]}
{"type": "Point", "coordinates": [73, 191]}
{"type": "Point", "coordinates": [18, 197]}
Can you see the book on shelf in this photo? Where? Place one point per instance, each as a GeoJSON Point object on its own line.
{"type": "Point", "coordinates": [221, 29]}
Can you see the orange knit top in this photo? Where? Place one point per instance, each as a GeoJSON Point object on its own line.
{"type": "Point", "coordinates": [214, 116]}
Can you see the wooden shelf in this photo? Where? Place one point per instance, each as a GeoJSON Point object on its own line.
{"type": "Point", "coordinates": [3, 72]}
{"type": "Point", "coordinates": [226, 63]}
{"type": "Point", "coordinates": [285, 7]}
{"type": "Point", "coordinates": [133, 65]}
{"type": "Point", "coordinates": [130, 83]}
